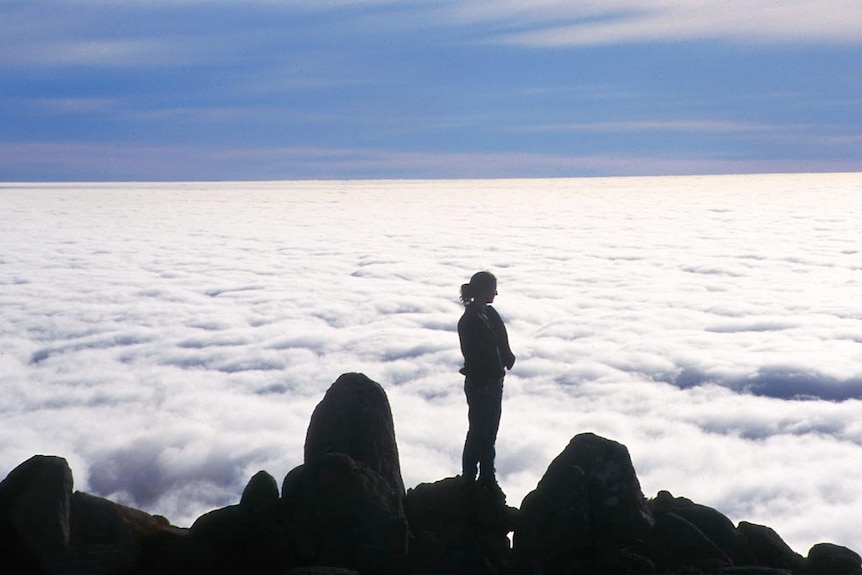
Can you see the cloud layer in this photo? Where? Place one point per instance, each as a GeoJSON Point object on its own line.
{"type": "Point", "coordinates": [172, 339]}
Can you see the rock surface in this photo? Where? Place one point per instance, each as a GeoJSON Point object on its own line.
{"type": "Point", "coordinates": [345, 512]}
{"type": "Point", "coordinates": [588, 502]}
{"type": "Point", "coordinates": [36, 501]}
{"type": "Point", "coordinates": [354, 418]}
{"type": "Point", "coordinates": [458, 527]}
{"type": "Point", "coordinates": [341, 513]}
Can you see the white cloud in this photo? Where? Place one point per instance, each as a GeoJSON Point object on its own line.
{"type": "Point", "coordinates": [558, 23]}
{"type": "Point", "coordinates": [171, 340]}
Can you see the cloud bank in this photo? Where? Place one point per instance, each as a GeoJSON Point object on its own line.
{"type": "Point", "coordinates": [172, 339]}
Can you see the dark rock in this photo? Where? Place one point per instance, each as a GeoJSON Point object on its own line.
{"type": "Point", "coordinates": [101, 540]}
{"type": "Point", "coordinates": [261, 493]}
{"type": "Point", "coordinates": [677, 543]}
{"type": "Point", "coordinates": [830, 559]}
{"type": "Point", "coordinates": [16, 557]}
{"type": "Point", "coordinates": [35, 499]}
{"type": "Point", "coordinates": [588, 501]}
{"type": "Point", "coordinates": [320, 571]}
{"type": "Point", "coordinates": [715, 525]}
{"type": "Point", "coordinates": [164, 547]}
{"type": "Point", "coordinates": [752, 571]}
{"type": "Point", "coordinates": [766, 548]}
{"type": "Point", "coordinates": [339, 512]}
{"type": "Point", "coordinates": [665, 502]}
{"type": "Point", "coordinates": [458, 528]}
{"type": "Point", "coordinates": [620, 561]}
{"type": "Point", "coordinates": [238, 540]}
{"type": "Point", "coordinates": [354, 418]}
{"type": "Point", "coordinates": [555, 524]}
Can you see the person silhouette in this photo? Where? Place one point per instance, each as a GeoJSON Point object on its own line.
{"type": "Point", "coordinates": [485, 347]}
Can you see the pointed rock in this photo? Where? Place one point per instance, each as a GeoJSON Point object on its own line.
{"type": "Point", "coordinates": [261, 493]}
{"type": "Point", "coordinates": [36, 500]}
{"type": "Point", "coordinates": [354, 418]}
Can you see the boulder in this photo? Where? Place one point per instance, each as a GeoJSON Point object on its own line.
{"type": "Point", "coordinates": [767, 548]}
{"type": "Point", "coordinates": [831, 559]}
{"type": "Point", "coordinates": [164, 547]}
{"type": "Point", "coordinates": [458, 528]}
{"type": "Point", "coordinates": [554, 528]}
{"type": "Point", "coordinates": [354, 418]}
{"type": "Point", "coordinates": [241, 538]}
{"type": "Point", "coordinates": [261, 492]}
{"type": "Point", "coordinates": [713, 524]}
{"type": "Point", "coordinates": [339, 512]}
{"type": "Point", "coordinates": [676, 543]}
{"type": "Point", "coordinates": [235, 539]}
{"type": "Point", "coordinates": [589, 501]}
{"type": "Point", "coordinates": [35, 500]}
{"type": "Point", "coordinates": [101, 540]}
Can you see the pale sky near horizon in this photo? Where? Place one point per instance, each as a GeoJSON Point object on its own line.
{"type": "Point", "coordinates": [227, 90]}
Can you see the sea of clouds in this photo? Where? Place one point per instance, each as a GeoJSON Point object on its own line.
{"type": "Point", "coordinates": [170, 340]}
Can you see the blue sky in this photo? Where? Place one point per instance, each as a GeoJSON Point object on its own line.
{"type": "Point", "coordinates": [221, 90]}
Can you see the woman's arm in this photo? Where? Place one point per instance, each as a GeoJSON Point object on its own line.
{"type": "Point", "coordinates": [501, 335]}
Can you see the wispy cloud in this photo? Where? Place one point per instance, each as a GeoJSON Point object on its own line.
{"type": "Point", "coordinates": [556, 23]}
{"type": "Point", "coordinates": [109, 34]}
{"type": "Point", "coordinates": [655, 126]}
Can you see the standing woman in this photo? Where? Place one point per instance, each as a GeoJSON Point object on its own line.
{"type": "Point", "coordinates": [485, 346]}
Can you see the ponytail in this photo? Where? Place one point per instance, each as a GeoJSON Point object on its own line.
{"type": "Point", "coordinates": [467, 293]}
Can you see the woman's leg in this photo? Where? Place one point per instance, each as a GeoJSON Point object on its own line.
{"type": "Point", "coordinates": [478, 413]}
{"type": "Point", "coordinates": [491, 424]}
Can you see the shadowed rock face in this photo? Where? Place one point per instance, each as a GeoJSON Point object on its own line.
{"type": "Point", "coordinates": [767, 548]}
{"type": "Point", "coordinates": [354, 418]}
{"type": "Point", "coordinates": [339, 512]}
{"type": "Point", "coordinates": [715, 526]}
{"type": "Point", "coordinates": [588, 500]}
{"type": "Point", "coordinates": [830, 559]}
{"type": "Point", "coordinates": [261, 492]}
{"type": "Point", "coordinates": [458, 528]}
{"type": "Point", "coordinates": [36, 500]}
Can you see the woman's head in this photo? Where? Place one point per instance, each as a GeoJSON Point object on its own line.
{"type": "Point", "coordinates": [482, 288]}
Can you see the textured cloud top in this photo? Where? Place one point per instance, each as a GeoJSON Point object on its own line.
{"type": "Point", "coordinates": [172, 339]}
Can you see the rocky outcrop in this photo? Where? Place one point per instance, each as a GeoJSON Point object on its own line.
{"type": "Point", "coordinates": [36, 501]}
{"type": "Point", "coordinates": [261, 492]}
{"type": "Point", "coordinates": [767, 548]}
{"type": "Point", "coordinates": [339, 512]}
{"type": "Point", "coordinates": [829, 559]}
{"type": "Point", "coordinates": [354, 418]}
{"type": "Point", "coordinates": [704, 522]}
{"type": "Point", "coordinates": [49, 529]}
{"type": "Point", "coordinates": [458, 528]}
{"type": "Point", "coordinates": [344, 511]}
{"type": "Point", "coordinates": [587, 505]}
